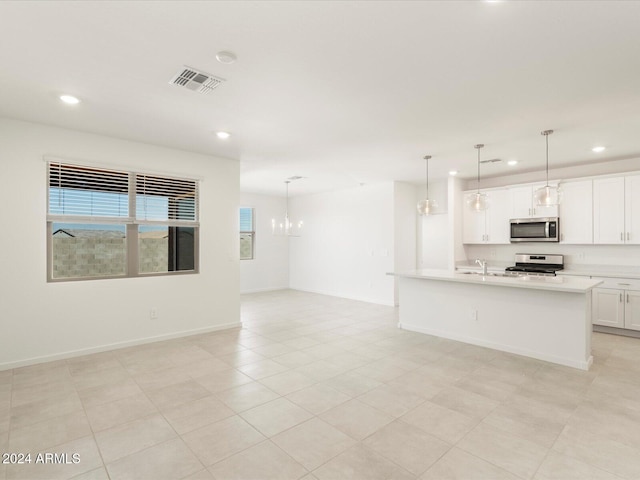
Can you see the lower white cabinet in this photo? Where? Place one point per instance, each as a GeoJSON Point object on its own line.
{"type": "Point", "coordinates": [608, 307]}
{"type": "Point", "coordinates": [616, 303]}
{"type": "Point", "coordinates": [632, 310]}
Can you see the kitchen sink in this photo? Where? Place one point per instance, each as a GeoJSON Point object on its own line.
{"type": "Point", "coordinates": [489, 274]}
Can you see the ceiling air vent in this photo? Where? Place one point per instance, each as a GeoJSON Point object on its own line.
{"type": "Point", "coordinates": [492, 160]}
{"type": "Point", "coordinates": [196, 80]}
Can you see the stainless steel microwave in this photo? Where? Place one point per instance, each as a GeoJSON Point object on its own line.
{"type": "Point", "coordinates": [535, 229]}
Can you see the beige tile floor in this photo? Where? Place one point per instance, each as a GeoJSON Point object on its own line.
{"type": "Point", "coordinates": [318, 387]}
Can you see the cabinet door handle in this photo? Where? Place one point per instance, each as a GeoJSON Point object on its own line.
{"type": "Point", "coordinates": [620, 298]}
{"type": "Point", "coordinates": [529, 212]}
{"type": "Point", "coordinates": [534, 211]}
{"type": "Point", "coordinates": [621, 236]}
{"type": "Point", "coordinates": [487, 237]}
{"type": "Point", "coordinates": [628, 236]}
{"type": "Point", "coordinates": [627, 298]}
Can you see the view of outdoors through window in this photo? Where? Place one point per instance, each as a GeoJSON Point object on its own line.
{"type": "Point", "coordinates": [247, 233]}
{"type": "Point", "coordinates": [84, 246]}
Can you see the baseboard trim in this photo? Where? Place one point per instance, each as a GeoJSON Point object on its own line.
{"type": "Point", "coordinates": [390, 303]}
{"type": "Point", "coordinates": [260, 290]}
{"type": "Point", "coordinates": [616, 331]}
{"type": "Point", "coordinates": [115, 346]}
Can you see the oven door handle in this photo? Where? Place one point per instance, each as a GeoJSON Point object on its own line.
{"type": "Point", "coordinates": [546, 229]}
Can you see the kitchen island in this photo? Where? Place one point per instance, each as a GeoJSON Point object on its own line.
{"type": "Point", "coordinates": [548, 318]}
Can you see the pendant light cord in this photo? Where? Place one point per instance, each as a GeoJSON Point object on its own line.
{"type": "Point", "coordinates": [427, 173]}
{"type": "Point", "coordinates": [478, 179]}
{"type": "Point", "coordinates": [478, 147]}
{"type": "Point", "coordinates": [286, 206]}
{"type": "Point", "coordinates": [546, 133]}
{"type": "Point", "coordinates": [547, 139]}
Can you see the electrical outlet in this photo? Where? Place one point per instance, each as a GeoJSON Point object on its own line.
{"type": "Point", "coordinates": [153, 314]}
{"type": "Point", "coordinates": [473, 315]}
{"type": "Point", "coordinates": [493, 253]}
{"type": "Point", "coordinates": [580, 255]}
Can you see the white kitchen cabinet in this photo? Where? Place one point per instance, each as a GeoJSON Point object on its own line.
{"type": "Point", "coordinates": [576, 212]}
{"type": "Point", "coordinates": [632, 209]}
{"type": "Point", "coordinates": [616, 210]}
{"type": "Point", "coordinates": [523, 204]}
{"type": "Point", "coordinates": [632, 310]}
{"type": "Point", "coordinates": [490, 226]}
{"type": "Point", "coordinates": [608, 307]}
{"type": "Point", "coordinates": [616, 303]}
{"type": "Point", "coordinates": [608, 210]}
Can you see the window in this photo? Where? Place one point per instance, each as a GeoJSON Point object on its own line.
{"type": "Point", "coordinates": [93, 231]}
{"type": "Point", "coordinates": [247, 233]}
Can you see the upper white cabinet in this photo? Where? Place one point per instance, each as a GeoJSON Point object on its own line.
{"type": "Point", "coordinates": [632, 209]}
{"type": "Point", "coordinates": [616, 210]}
{"type": "Point", "coordinates": [576, 217]}
{"type": "Point", "coordinates": [490, 226]}
{"type": "Point", "coordinates": [523, 205]}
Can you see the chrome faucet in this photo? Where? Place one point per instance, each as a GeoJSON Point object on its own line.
{"type": "Point", "coordinates": [483, 264]}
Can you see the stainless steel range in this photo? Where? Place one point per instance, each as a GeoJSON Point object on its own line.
{"type": "Point", "coordinates": [532, 264]}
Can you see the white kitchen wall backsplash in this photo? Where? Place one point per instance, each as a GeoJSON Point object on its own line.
{"type": "Point", "coordinates": [614, 255]}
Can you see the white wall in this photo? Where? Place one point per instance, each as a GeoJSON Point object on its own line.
{"type": "Point", "coordinates": [405, 217]}
{"type": "Point", "coordinates": [269, 269]}
{"type": "Point", "coordinates": [440, 235]}
{"type": "Point", "coordinates": [347, 246]}
{"type": "Point", "coordinates": [435, 241]}
{"type": "Point", "coordinates": [41, 321]}
{"type": "Point", "coordinates": [456, 204]}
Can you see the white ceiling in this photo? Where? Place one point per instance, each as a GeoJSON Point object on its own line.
{"type": "Point", "coordinates": [339, 92]}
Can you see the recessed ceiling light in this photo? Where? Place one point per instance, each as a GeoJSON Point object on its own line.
{"type": "Point", "coordinates": [70, 99]}
{"type": "Point", "coordinates": [453, 172]}
{"type": "Point", "coordinates": [223, 135]}
{"type": "Point", "coordinates": [226, 57]}
{"type": "Point", "coordinates": [512, 162]}
{"type": "Point", "coordinates": [598, 149]}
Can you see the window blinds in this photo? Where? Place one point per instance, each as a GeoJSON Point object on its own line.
{"type": "Point", "coordinates": [166, 199]}
{"type": "Point", "coordinates": [96, 192]}
{"type": "Point", "coordinates": [89, 192]}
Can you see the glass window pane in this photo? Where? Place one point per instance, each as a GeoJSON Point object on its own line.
{"type": "Point", "coordinates": [88, 250]}
{"type": "Point", "coordinates": [246, 219]}
{"type": "Point", "coordinates": [66, 201]}
{"type": "Point", "coordinates": [166, 249]}
{"type": "Point", "coordinates": [246, 246]}
{"type": "Point", "coordinates": [163, 198]}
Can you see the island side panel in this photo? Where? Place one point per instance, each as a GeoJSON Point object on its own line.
{"type": "Point", "coordinates": [543, 324]}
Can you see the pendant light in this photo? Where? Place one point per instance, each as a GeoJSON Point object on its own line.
{"type": "Point", "coordinates": [478, 201]}
{"type": "Point", "coordinates": [547, 196]}
{"type": "Point", "coordinates": [426, 206]}
{"type": "Point", "coordinates": [285, 227]}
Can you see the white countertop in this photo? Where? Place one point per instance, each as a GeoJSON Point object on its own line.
{"type": "Point", "coordinates": [616, 271]}
{"type": "Point", "coordinates": [567, 284]}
